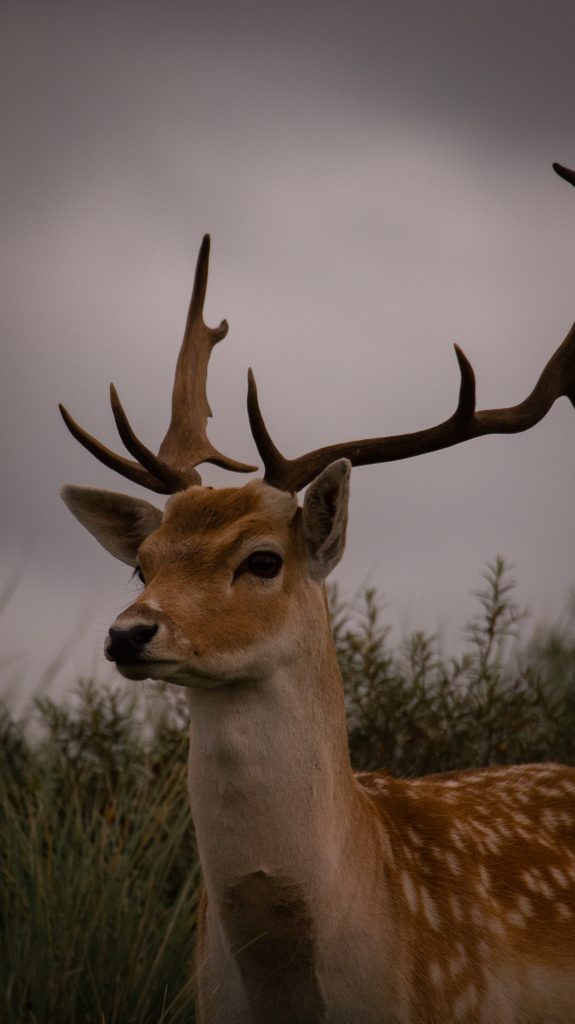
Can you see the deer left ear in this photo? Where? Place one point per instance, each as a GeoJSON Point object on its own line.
{"type": "Point", "coordinates": [119, 522]}
{"type": "Point", "coordinates": [324, 518]}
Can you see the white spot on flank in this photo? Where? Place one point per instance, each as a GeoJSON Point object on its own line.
{"type": "Point", "coordinates": [465, 1003]}
{"type": "Point", "coordinates": [563, 911]}
{"type": "Point", "coordinates": [549, 792]}
{"type": "Point", "coordinates": [457, 836]}
{"type": "Point", "coordinates": [546, 889]}
{"type": "Point", "coordinates": [436, 975]}
{"type": "Point", "coordinates": [409, 890]}
{"type": "Point", "coordinates": [496, 926]}
{"type": "Point", "coordinates": [530, 881]}
{"type": "Point", "coordinates": [450, 796]}
{"type": "Point", "coordinates": [514, 917]}
{"type": "Point", "coordinates": [414, 837]}
{"type": "Point", "coordinates": [429, 909]}
{"type": "Point", "coordinates": [524, 906]}
{"type": "Point", "coordinates": [501, 828]}
{"type": "Point", "coordinates": [456, 908]}
{"type": "Point", "coordinates": [483, 950]}
{"type": "Point", "coordinates": [484, 876]}
{"type": "Point", "coordinates": [522, 798]}
{"type": "Point", "coordinates": [521, 819]}
{"type": "Point", "coordinates": [488, 836]}
{"type": "Point", "coordinates": [524, 834]}
{"type": "Point", "coordinates": [559, 877]}
{"type": "Point", "coordinates": [457, 963]}
{"type": "Point", "coordinates": [452, 863]}
{"type": "Point", "coordinates": [477, 915]}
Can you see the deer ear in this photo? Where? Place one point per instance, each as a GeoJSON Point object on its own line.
{"type": "Point", "coordinates": [324, 518]}
{"type": "Point", "coordinates": [120, 523]}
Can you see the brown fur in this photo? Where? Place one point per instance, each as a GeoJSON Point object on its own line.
{"type": "Point", "coordinates": [482, 870]}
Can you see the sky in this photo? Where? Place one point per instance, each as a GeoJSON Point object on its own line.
{"type": "Point", "coordinates": [376, 179]}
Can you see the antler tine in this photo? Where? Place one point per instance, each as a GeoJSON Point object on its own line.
{"type": "Point", "coordinates": [131, 470]}
{"type": "Point", "coordinates": [556, 380]}
{"type": "Point", "coordinates": [146, 458]}
{"type": "Point", "coordinates": [186, 444]}
{"type": "Point", "coordinates": [276, 466]}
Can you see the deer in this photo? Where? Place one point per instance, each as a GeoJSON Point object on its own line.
{"type": "Point", "coordinates": [328, 896]}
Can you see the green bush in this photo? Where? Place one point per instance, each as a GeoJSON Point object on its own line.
{"type": "Point", "coordinates": [413, 711]}
{"type": "Point", "coordinates": [98, 875]}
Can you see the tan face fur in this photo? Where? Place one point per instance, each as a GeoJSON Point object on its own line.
{"type": "Point", "coordinates": [216, 620]}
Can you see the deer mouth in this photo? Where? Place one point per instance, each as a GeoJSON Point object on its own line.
{"type": "Point", "coordinates": [139, 670]}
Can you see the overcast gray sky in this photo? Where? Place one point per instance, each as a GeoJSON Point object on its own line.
{"type": "Point", "coordinates": [377, 181]}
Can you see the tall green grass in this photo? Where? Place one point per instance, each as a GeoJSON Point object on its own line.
{"type": "Point", "coordinates": [98, 874]}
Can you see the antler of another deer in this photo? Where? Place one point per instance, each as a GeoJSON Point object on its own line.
{"type": "Point", "coordinates": [186, 444]}
{"type": "Point", "coordinates": [557, 379]}
{"type": "Point", "coordinates": [565, 173]}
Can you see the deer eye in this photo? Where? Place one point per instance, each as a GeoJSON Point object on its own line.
{"type": "Point", "coordinates": [138, 574]}
{"type": "Point", "coordinates": [265, 564]}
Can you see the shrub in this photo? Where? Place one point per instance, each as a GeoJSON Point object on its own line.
{"type": "Point", "coordinates": [413, 711]}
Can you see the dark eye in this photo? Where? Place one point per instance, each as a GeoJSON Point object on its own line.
{"type": "Point", "coordinates": [138, 574]}
{"type": "Point", "coordinates": [265, 564]}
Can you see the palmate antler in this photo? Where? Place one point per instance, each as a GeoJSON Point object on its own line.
{"type": "Point", "coordinates": [186, 444]}
{"type": "Point", "coordinates": [557, 379]}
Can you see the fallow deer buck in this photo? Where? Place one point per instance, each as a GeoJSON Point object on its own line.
{"type": "Point", "coordinates": [329, 896]}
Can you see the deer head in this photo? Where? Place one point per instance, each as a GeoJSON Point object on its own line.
{"type": "Point", "coordinates": [232, 575]}
{"type": "Point", "coordinates": [240, 550]}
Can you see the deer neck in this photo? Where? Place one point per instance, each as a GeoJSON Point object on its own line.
{"type": "Point", "coordinates": [270, 782]}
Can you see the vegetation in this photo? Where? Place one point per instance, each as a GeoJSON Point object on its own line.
{"type": "Point", "coordinates": [413, 711]}
{"type": "Point", "coordinates": [98, 878]}
{"type": "Point", "coordinates": [98, 881]}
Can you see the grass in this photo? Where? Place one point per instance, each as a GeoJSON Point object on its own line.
{"type": "Point", "coordinates": [98, 874]}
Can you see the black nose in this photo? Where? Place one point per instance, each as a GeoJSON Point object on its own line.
{"type": "Point", "coordinates": [128, 644]}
